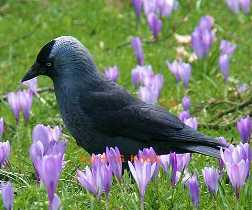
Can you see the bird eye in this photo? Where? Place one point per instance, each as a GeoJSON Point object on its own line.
{"type": "Point", "coordinates": [48, 64]}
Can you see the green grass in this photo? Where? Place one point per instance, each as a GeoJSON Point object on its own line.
{"type": "Point", "coordinates": [26, 25]}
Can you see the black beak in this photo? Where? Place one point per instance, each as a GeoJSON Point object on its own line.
{"type": "Point", "coordinates": [33, 72]}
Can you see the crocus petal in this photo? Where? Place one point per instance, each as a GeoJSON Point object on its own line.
{"type": "Point", "coordinates": [245, 6]}
{"type": "Point", "coordinates": [7, 195]}
{"type": "Point", "coordinates": [211, 177]}
{"type": "Point", "coordinates": [193, 187]}
{"type": "Point", "coordinates": [233, 5]}
{"type": "Point", "coordinates": [1, 126]}
{"type": "Point", "coordinates": [244, 126]}
{"type": "Point", "coordinates": [4, 152]}
{"type": "Point", "coordinates": [112, 73]}
{"type": "Point", "coordinates": [137, 4]}
{"type": "Point", "coordinates": [138, 50]}
{"type": "Point", "coordinates": [114, 159]}
{"type": "Point", "coordinates": [155, 24]}
{"type": "Point", "coordinates": [32, 84]}
{"type": "Point", "coordinates": [13, 101]}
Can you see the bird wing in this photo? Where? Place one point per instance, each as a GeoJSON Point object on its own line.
{"type": "Point", "coordinates": [117, 113]}
{"type": "Point", "coordinates": [140, 121]}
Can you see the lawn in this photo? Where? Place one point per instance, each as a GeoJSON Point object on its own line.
{"type": "Point", "coordinates": [106, 27]}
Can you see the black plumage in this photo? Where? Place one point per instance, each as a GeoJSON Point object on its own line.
{"type": "Point", "coordinates": [100, 113]}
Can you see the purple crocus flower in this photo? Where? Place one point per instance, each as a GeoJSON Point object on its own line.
{"type": "Point", "coordinates": [148, 154]}
{"type": "Point", "coordinates": [181, 71]}
{"type": "Point", "coordinates": [237, 161]}
{"type": "Point", "coordinates": [137, 4]}
{"type": "Point", "coordinates": [32, 84]}
{"type": "Point", "coordinates": [183, 161]}
{"type": "Point", "coordinates": [149, 6]}
{"type": "Point", "coordinates": [238, 174]}
{"type": "Point", "coordinates": [142, 171]}
{"type": "Point", "coordinates": [179, 163]}
{"type": "Point", "coordinates": [183, 116]}
{"type": "Point", "coordinates": [155, 25]}
{"type": "Point", "coordinates": [1, 126]}
{"type": "Point", "coordinates": [233, 5]}
{"type": "Point", "coordinates": [106, 178]}
{"type": "Point", "coordinates": [150, 92]}
{"type": "Point", "coordinates": [89, 178]}
{"type": "Point", "coordinates": [203, 37]}
{"type": "Point", "coordinates": [166, 7]}
{"type": "Point", "coordinates": [173, 163]}
{"type": "Point", "coordinates": [45, 134]}
{"type": "Point", "coordinates": [245, 6]}
{"type": "Point", "coordinates": [96, 179]}
{"type": "Point", "coordinates": [224, 66]}
{"type": "Point", "coordinates": [138, 50]}
{"type": "Point", "coordinates": [49, 169]}
{"type": "Point", "coordinates": [146, 95]}
{"type": "Point", "coordinates": [114, 159]}
{"type": "Point", "coordinates": [236, 5]}
{"type": "Point", "coordinates": [186, 103]}
{"type": "Point", "coordinates": [211, 178]}
{"type": "Point", "coordinates": [7, 195]}
{"type": "Point", "coordinates": [20, 101]}
{"type": "Point", "coordinates": [192, 122]}
{"type": "Point", "coordinates": [244, 126]}
{"type": "Point", "coordinates": [193, 186]}
{"type": "Point", "coordinates": [4, 152]}
{"type": "Point", "coordinates": [13, 101]}
{"type": "Point", "coordinates": [139, 73]}
{"type": "Point", "coordinates": [25, 101]}
{"type": "Point", "coordinates": [234, 154]}
{"type": "Point", "coordinates": [112, 73]}
{"type": "Point", "coordinates": [46, 142]}
{"type": "Point", "coordinates": [164, 161]}
{"type": "Point", "coordinates": [155, 83]}
{"type": "Point", "coordinates": [227, 49]}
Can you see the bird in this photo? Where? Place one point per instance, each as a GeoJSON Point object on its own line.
{"type": "Point", "coordinates": [100, 113]}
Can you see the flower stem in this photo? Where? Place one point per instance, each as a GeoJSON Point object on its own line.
{"type": "Point", "coordinates": [142, 202]}
{"type": "Point", "coordinates": [107, 202]}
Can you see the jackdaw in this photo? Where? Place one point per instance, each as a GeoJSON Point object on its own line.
{"type": "Point", "coordinates": [100, 113]}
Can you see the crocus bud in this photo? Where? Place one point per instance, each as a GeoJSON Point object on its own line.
{"type": "Point", "coordinates": [7, 195]}
{"type": "Point", "coordinates": [112, 73]}
{"type": "Point", "coordinates": [142, 171]}
{"type": "Point", "coordinates": [183, 116]}
{"type": "Point", "coordinates": [155, 25]}
{"type": "Point", "coordinates": [181, 71]}
{"type": "Point", "coordinates": [186, 103]}
{"type": "Point", "coordinates": [4, 152]}
{"type": "Point", "coordinates": [193, 186]}
{"type": "Point", "coordinates": [227, 49]}
{"type": "Point", "coordinates": [192, 122]}
{"type": "Point", "coordinates": [32, 84]}
{"type": "Point", "coordinates": [211, 177]}
{"type": "Point", "coordinates": [114, 159]}
{"type": "Point", "coordinates": [138, 50]}
{"type": "Point", "coordinates": [203, 37]}
{"type": "Point", "coordinates": [244, 126]}
{"type": "Point", "coordinates": [137, 4]}
{"type": "Point", "coordinates": [139, 74]}
{"type": "Point", "coordinates": [1, 127]}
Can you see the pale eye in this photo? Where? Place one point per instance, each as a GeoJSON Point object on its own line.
{"type": "Point", "coordinates": [48, 64]}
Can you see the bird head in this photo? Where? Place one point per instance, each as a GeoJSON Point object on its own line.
{"type": "Point", "coordinates": [63, 57]}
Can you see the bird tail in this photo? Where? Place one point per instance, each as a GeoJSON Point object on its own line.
{"type": "Point", "coordinates": [193, 141]}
